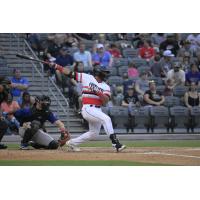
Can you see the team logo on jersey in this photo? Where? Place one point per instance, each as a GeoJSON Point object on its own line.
{"type": "Point", "coordinates": [95, 88]}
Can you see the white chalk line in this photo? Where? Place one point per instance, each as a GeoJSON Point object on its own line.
{"type": "Point", "coordinates": [168, 154]}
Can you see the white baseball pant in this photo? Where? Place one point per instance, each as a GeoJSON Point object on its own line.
{"type": "Point", "coordinates": [96, 118]}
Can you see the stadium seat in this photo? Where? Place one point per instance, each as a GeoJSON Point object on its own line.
{"type": "Point", "coordinates": [130, 53]}
{"type": "Point", "coordinates": [122, 70]}
{"type": "Point", "coordinates": [171, 101]}
{"type": "Point", "coordinates": [113, 71]}
{"type": "Point", "coordinates": [157, 80]}
{"type": "Point", "coordinates": [118, 100]}
{"type": "Point", "coordinates": [139, 62]}
{"type": "Point", "coordinates": [143, 69]}
{"type": "Point", "coordinates": [105, 110]}
{"type": "Point", "coordinates": [140, 118]}
{"type": "Point", "coordinates": [160, 88]}
{"type": "Point", "coordinates": [179, 91]}
{"type": "Point", "coordinates": [179, 118]}
{"type": "Point", "coordinates": [115, 80]}
{"type": "Point", "coordinates": [195, 117]}
{"type": "Point", "coordinates": [117, 62]}
{"type": "Point", "coordinates": [159, 117]}
{"type": "Point", "coordinates": [112, 37]}
{"type": "Point", "coordinates": [119, 116]}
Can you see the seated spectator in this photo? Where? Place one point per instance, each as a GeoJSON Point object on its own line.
{"type": "Point", "coordinates": [169, 86]}
{"type": "Point", "coordinates": [177, 75]}
{"type": "Point", "coordinates": [114, 51]}
{"type": "Point", "coordinates": [186, 61]}
{"type": "Point", "coordinates": [152, 97]}
{"type": "Point", "coordinates": [132, 70]}
{"type": "Point", "coordinates": [166, 62]}
{"type": "Point", "coordinates": [18, 84]}
{"type": "Point", "coordinates": [157, 38]}
{"type": "Point", "coordinates": [147, 52]}
{"type": "Point", "coordinates": [102, 57]}
{"type": "Point", "coordinates": [156, 67]}
{"type": "Point", "coordinates": [26, 101]}
{"type": "Point", "coordinates": [192, 97]}
{"type": "Point", "coordinates": [83, 56]}
{"type": "Point", "coordinates": [8, 106]}
{"type": "Point", "coordinates": [170, 44]}
{"type": "Point", "coordinates": [119, 96]}
{"type": "Point", "coordinates": [194, 40]}
{"type": "Point", "coordinates": [131, 97]}
{"type": "Point", "coordinates": [64, 58]}
{"type": "Point", "coordinates": [35, 41]}
{"type": "Point", "coordinates": [142, 85]}
{"type": "Point", "coordinates": [126, 82]}
{"type": "Point", "coordinates": [193, 75]}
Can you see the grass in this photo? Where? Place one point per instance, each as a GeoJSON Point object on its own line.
{"type": "Point", "coordinates": [74, 163]}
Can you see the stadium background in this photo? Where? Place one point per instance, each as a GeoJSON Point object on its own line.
{"type": "Point", "coordinates": [128, 44]}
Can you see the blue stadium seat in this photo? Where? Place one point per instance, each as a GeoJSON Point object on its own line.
{"type": "Point", "coordinates": [115, 80]}
{"type": "Point", "coordinates": [179, 117]}
{"type": "Point", "coordinates": [122, 70]}
{"type": "Point", "coordinates": [171, 101]}
{"type": "Point", "coordinates": [159, 117]}
{"type": "Point", "coordinates": [130, 53]}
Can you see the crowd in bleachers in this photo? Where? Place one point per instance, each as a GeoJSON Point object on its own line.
{"type": "Point", "coordinates": [145, 69]}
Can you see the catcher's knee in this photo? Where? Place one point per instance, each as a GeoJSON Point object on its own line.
{"type": "Point", "coordinates": [35, 126]}
{"type": "Point", "coordinates": [53, 145]}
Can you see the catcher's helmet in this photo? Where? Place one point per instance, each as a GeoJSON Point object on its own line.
{"type": "Point", "coordinates": [44, 101]}
{"type": "Point", "coordinates": [101, 72]}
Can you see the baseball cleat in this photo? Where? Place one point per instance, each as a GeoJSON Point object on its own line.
{"type": "Point", "coordinates": [119, 147]}
{"type": "Point", "coordinates": [24, 147]}
{"type": "Point", "coordinates": [72, 147]}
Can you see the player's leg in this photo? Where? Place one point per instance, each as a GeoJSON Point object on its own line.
{"type": "Point", "coordinates": [43, 140]}
{"type": "Point", "coordinates": [105, 120]}
{"type": "Point", "coordinates": [3, 129]}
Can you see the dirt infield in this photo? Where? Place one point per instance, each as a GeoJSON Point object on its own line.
{"type": "Point", "coordinates": [161, 155]}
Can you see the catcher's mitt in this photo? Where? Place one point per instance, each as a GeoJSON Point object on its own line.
{"type": "Point", "coordinates": [65, 136]}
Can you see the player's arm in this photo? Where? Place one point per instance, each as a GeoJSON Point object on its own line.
{"type": "Point", "coordinates": [104, 97]}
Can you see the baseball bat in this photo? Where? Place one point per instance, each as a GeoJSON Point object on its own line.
{"type": "Point", "coordinates": [31, 58]}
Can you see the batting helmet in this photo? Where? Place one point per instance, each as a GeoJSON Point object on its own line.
{"type": "Point", "coordinates": [101, 72]}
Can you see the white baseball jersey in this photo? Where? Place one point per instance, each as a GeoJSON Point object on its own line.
{"type": "Point", "coordinates": [89, 85]}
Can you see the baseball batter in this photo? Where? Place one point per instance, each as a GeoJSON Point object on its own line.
{"type": "Point", "coordinates": [95, 93]}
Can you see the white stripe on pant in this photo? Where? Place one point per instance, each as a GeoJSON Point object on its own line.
{"type": "Point", "coordinates": [96, 118]}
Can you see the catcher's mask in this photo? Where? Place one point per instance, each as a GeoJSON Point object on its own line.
{"type": "Point", "coordinates": [44, 101]}
{"type": "Point", "coordinates": [101, 72]}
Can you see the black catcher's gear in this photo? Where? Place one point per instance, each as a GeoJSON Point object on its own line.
{"type": "Point", "coordinates": [45, 102]}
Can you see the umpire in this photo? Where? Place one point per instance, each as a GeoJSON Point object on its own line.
{"type": "Point", "coordinates": [4, 91]}
{"type": "Point", "coordinates": [33, 130]}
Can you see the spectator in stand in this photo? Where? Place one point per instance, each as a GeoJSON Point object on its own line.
{"type": "Point", "coordinates": [26, 101]}
{"type": "Point", "coordinates": [152, 97]}
{"type": "Point", "coordinates": [166, 62]}
{"type": "Point", "coordinates": [114, 51]}
{"type": "Point", "coordinates": [70, 40]}
{"type": "Point", "coordinates": [131, 97]}
{"type": "Point", "coordinates": [157, 38]}
{"type": "Point", "coordinates": [177, 75]}
{"type": "Point", "coordinates": [170, 44]}
{"type": "Point", "coordinates": [8, 106]}
{"type": "Point", "coordinates": [147, 52]}
{"type": "Point", "coordinates": [83, 56]}
{"type": "Point", "coordinates": [186, 61]}
{"type": "Point", "coordinates": [132, 70]}
{"type": "Point", "coordinates": [64, 58]}
{"type": "Point", "coordinates": [169, 86]}
{"type": "Point", "coordinates": [194, 40]}
{"type": "Point", "coordinates": [126, 82]}
{"type": "Point", "coordinates": [197, 59]}
{"type": "Point", "coordinates": [192, 97]}
{"type": "Point", "coordinates": [35, 41]}
{"type": "Point", "coordinates": [193, 75]}
{"type": "Point", "coordinates": [156, 67]}
{"type": "Point", "coordinates": [102, 57]}
{"type": "Point", "coordinates": [142, 85]}
{"type": "Point", "coordinates": [18, 84]}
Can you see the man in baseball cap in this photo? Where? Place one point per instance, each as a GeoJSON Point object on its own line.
{"type": "Point", "coordinates": [103, 57]}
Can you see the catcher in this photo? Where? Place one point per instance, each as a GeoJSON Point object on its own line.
{"type": "Point", "coordinates": [33, 130]}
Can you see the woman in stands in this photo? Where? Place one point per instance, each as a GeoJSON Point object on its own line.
{"type": "Point", "coordinates": [26, 101]}
{"type": "Point", "coordinates": [192, 97]}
